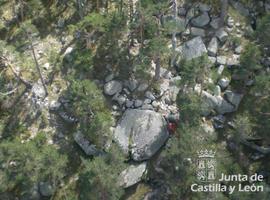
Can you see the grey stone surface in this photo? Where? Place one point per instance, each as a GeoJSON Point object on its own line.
{"type": "Point", "coordinates": [220, 69]}
{"type": "Point", "coordinates": [217, 103]}
{"type": "Point", "coordinates": [113, 87]}
{"type": "Point", "coordinates": [215, 23]}
{"type": "Point", "coordinates": [197, 31]}
{"type": "Point", "coordinates": [138, 103]}
{"type": "Point", "coordinates": [204, 7]}
{"type": "Point", "coordinates": [86, 146]}
{"type": "Point", "coordinates": [132, 175]}
{"type": "Point", "coordinates": [233, 60]}
{"type": "Point", "coordinates": [147, 107]}
{"type": "Point", "coordinates": [142, 87]}
{"type": "Point", "coordinates": [192, 49]}
{"type": "Point", "coordinates": [213, 47]}
{"type": "Point", "coordinates": [141, 132]}
{"type": "Point", "coordinates": [129, 103]}
{"type": "Point", "coordinates": [224, 82]}
{"type": "Point", "coordinates": [233, 98]}
{"type": "Point", "coordinates": [190, 14]}
{"type": "Point", "coordinates": [150, 95]}
{"type": "Point", "coordinates": [212, 59]}
{"type": "Point", "coordinates": [217, 91]}
{"type": "Point", "coordinates": [120, 99]}
{"type": "Point", "coordinates": [222, 35]}
{"type": "Point", "coordinates": [201, 21]}
{"type": "Point", "coordinates": [238, 49]}
{"type": "Point", "coordinates": [222, 60]}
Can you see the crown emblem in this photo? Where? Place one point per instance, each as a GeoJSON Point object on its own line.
{"type": "Point", "coordinates": [206, 153]}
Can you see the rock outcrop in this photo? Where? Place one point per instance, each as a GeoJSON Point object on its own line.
{"type": "Point", "coordinates": [141, 132]}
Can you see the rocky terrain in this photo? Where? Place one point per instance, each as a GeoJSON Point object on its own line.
{"type": "Point", "coordinates": [132, 135]}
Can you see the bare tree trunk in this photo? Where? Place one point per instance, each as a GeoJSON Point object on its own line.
{"type": "Point", "coordinates": [131, 11]}
{"type": "Point", "coordinates": [157, 59]}
{"type": "Point", "coordinates": [37, 65]}
{"type": "Point", "coordinates": [224, 12]}
{"type": "Point", "coordinates": [157, 70]}
{"type": "Point", "coordinates": [175, 19]}
{"type": "Point", "coordinates": [8, 64]}
{"type": "Point", "coordinates": [174, 34]}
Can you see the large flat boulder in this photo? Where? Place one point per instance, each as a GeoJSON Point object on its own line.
{"type": "Point", "coordinates": [141, 132]}
{"type": "Point", "coordinates": [193, 48]}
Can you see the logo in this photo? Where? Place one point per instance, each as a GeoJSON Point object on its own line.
{"type": "Point", "coordinates": [206, 166]}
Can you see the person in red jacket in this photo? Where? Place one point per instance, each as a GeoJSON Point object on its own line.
{"type": "Point", "coordinates": [172, 120]}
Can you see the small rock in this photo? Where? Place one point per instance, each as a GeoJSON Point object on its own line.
{"type": "Point", "coordinates": [204, 7]}
{"type": "Point", "coordinates": [230, 22]}
{"type": "Point", "coordinates": [150, 95]}
{"type": "Point", "coordinates": [54, 105]}
{"type": "Point", "coordinates": [88, 148]}
{"type": "Point", "coordinates": [213, 47]}
{"type": "Point", "coordinates": [129, 104]}
{"type": "Point", "coordinates": [190, 14]}
{"type": "Point", "coordinates": [217, 91]}
{"type": "Point", "coordinates": [224, 83]}
{"type": "Point", "coordinates": [222, 60]}
{"type": "Point", "coordinates": [249, 82]}
{"type": "Point", "coordinates": [213, 60]}
{"type": "Point", "coordinates": [219, 121]}
{"type": "Point", "coordinates": [46, 189]}
{"type": "Point", "coordinates": [109, 78]}
{"type": "Point", "coordinates": [46, 66]}
{"type": "Point", "coordinates": [155, 104]}
{"type": "Point", "coordinates": [147, 101]}
{"type": "Point", "coordinates": [233, 98]}
{"type": "Point", "coordinates": [220, 69]}
{"type": "Point", "coordinates": [233, 60]}
{"type": "Point", "coordinates": [197, 31]}
{"type": "Point", "coordinates": [222, 35]}
{"type": "Point", "coordinates": [120, 99]}
{"type": "Point", "coordinates": [238, 49]}
{"type": "Point", "coordinates": [201, 20]}
{"type": "Point", "coordinates": [68, 50]}
{"type": "Point", "coordinates": [138, 103]}
{"type": "Point", "coordinates": [209, 130]}
{"type": "Point", "coordinates": [132, 175]}
{"type": "Point", "coordinates": [215, 23]}
{"type": "Point", "coordinates": [142, 87]}
{"type": "Point", "coordinates": [113, 87]}
{"type": "Point", "coordinates": [147, 107]}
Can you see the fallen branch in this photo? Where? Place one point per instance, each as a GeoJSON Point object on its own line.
{"type": "Point", "coordinates": [9, 93]}
{"type": "Point", "coordinates": [16, 74]}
